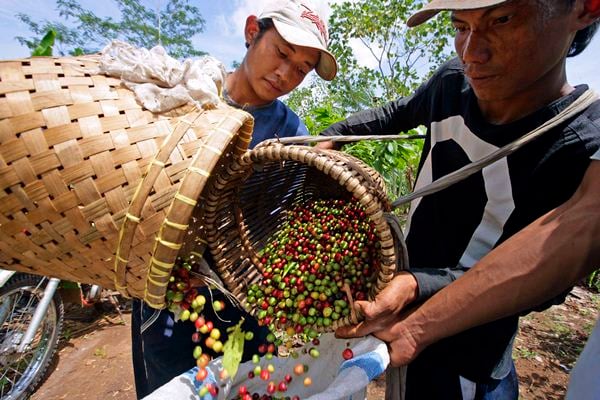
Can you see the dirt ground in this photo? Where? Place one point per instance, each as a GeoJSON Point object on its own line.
{"type": "Point", "coordinates": [94, 360]}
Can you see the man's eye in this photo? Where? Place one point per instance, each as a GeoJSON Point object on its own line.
{"type": "Point", "coordinates": [460, 28]}
{"type": "Point", "coordinates": [502, 20]}
{"type": "Point", "coordinates": [281, 53]}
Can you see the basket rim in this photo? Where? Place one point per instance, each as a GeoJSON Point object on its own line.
{"type": "Point", "coordinates": [234, 127]}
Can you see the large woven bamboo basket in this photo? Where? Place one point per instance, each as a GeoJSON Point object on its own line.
{"type": "Point", "coordinates": [247, 202]}
{"type": "Point", "coordinates": [95, 188]}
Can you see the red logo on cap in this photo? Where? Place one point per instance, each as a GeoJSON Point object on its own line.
{"type": "Point", "coordinates": [315, 19]}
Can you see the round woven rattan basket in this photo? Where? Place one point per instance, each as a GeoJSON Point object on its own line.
{"type": "Point", "coordinates": [247, 202]}
{"type": "Point", "coordinates": [95, 188]}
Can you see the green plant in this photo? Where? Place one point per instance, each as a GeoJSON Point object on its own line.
{"type": "Point", "coordinates": [46, 44]}
{"type": "Point", "coordinates": [80, 31]}
{"type": "Point", "coordinates": [100, 352]}
{"type": "Point", "coordinates": [524, 353]}
{"type": "Point", "coordinates": [396, 161]}
{"type": "Point", "coordinates": [593, 280]}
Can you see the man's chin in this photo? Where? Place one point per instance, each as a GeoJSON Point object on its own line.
{"type": "Point", "coordinates": [489, 94]}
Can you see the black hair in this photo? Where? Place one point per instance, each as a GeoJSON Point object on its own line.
{"type": "Point", "coordinates": [583, 38]}
{"type": "Point", "coordinates": [264, 24]}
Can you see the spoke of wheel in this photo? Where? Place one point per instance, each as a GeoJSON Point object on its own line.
{"type": "Point", "coordinates": [20, 305]}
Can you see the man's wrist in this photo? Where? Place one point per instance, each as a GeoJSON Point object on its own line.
{"type": "Point", "coordinates": [412, 286]}
{"type": "Point", "coordinates": [415, 326]}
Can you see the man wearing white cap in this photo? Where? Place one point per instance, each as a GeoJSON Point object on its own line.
{"type": "Point", "coordinates": [284, 43]}
{"type": "Point", "coordinates": [508, 79]}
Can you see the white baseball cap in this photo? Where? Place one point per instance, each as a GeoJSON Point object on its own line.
{"type": "Point", "coordinates": [435, 6]}
{"type": "Point", "coordinates": [298, 22]}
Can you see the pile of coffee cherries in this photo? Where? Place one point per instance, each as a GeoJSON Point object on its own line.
{"type": "Point", "coordinates": [323, 257]}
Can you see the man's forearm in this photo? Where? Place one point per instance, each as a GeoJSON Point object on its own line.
{"type": "Point", "coordinates": [536, 264]}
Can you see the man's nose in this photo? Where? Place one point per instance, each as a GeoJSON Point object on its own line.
{"type": "Point", "coordinates": [474, 48]}
{"type": "Point", "coordinates": [284, 71]}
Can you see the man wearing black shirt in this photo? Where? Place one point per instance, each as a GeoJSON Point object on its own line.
{"type": "Point", "coordinates": [509, 78]}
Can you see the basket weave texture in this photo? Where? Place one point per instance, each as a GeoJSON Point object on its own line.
{"type": "Point", "coordinates": [95, 188]}
{"type": "Point", "coordinates": [247, 203]}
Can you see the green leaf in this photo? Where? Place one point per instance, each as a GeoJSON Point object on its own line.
{"type": "Point", "coordinates": [45, 46]}
{"type": "Point", "coordinates": [288, 268]}
{"type": "Point", "coordinates": [233, 350]}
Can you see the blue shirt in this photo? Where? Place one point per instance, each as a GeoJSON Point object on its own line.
{"type": "Point", "coordinates": [274, 120]}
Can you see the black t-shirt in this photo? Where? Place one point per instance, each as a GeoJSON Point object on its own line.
{"type": "Point", "coordinates": [449, 231]}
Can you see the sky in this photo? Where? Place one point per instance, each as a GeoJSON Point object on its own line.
{"type": "Point", "coordinates": [223, 36]}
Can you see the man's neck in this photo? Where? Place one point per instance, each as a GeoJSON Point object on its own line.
{"type": "Point", "coordinates": [524, 103]}
{"type": "Point", "coordinates": [239, 90]}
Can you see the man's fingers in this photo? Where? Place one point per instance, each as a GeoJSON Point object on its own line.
{"type": "Point", "coordinates": [385, 334]}
{"type": "Point", "coordinates": [403, 349]}
{"type": "Point", "coordinates": [401, 353]}
{"type": "Point", "coordinates": [376, 309]}
{"type": "Point", "coordinates": [396, 357]}
{"type": "Point", "coordinates": [363, 328]}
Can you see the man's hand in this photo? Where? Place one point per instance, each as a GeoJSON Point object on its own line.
{"type": "Point", "coordinates": [403, 340]}
{"type": "Point", "coordinates": [325, 145]}
{"type": "Point", "coordinates": [381, 313]}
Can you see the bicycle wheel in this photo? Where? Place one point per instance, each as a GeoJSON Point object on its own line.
{"type": "Point", "coordinates": [22, 372]}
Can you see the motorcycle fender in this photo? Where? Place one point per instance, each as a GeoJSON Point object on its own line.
{"type": "Point", "coordinates": [5, 276]}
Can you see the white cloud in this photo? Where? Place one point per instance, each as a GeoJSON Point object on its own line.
{"type": "Point", "coordinates": [225, 27]}
{"type": "Point", "coordinates": [244, 8]}
{"type": "Point", "coordinates": [363, 54]}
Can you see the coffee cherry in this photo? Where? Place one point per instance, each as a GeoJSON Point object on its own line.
{"type": "Point", "coordinates": [217, 346]}
{"type": "Point", "coordinates": [282, 387]}
{"type": "Point", "coordinates": [265, 375]}
{"type": "Point", "coordinates": [197, 352]}
{"type": "Point", "coordinates": [347, 353]}
{"type": "Point", "coordinates": [201, 374]}
{"type": "Point", "coordinates": [215, 334]}
{"type": "Point", "coordinates": [299, 369]}
{"type": "Point", "coordinates": [203, 361]}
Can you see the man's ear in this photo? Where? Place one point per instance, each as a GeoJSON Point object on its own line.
{"type": "Point", "coordinates": [592, 7]}
{"type": "Point", "coordinates": [251, 29]}
{"type": "Point", "coordinates": [589, 12]}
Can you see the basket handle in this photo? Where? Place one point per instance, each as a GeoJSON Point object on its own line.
{"type": "Point", "coordinates": [338, 138]}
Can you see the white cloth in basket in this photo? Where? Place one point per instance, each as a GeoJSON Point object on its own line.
{"type": "Point", "coordinates": [160, 82]}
